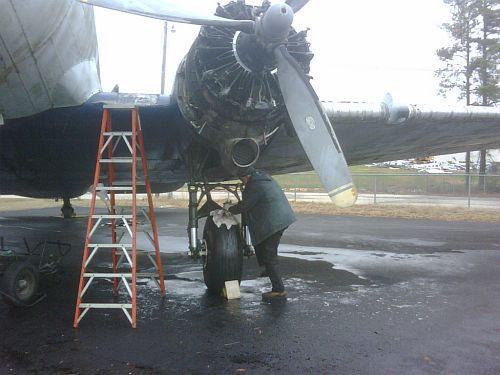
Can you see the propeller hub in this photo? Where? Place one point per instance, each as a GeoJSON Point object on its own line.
{"type": "Point", "coordinates": [251, 54]}
{"type": "Point", "coordinates": [275, 24]}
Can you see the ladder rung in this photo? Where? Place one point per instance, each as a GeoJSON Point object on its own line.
{"type": "Point", "coordinates": [115, 188]}
{"type": "Point", "coordinates": [113, 275]}
{"type": "Point", "coordinates": [128, 248]}
{"type": "Point", "coordinates": [119, 160]}
{"type": "Point", "coordinates": [111, 245]}
{"type": "Point", "coordinates": [105, 305]}
{"type": "Point", "coordinates": [112, 216]}
{"type": "Point", "coordinates": [119, 106]}
{"type": "Point", "coordinates": [106, 275]}
{"type": "Point", "coordinates": [118, 133]}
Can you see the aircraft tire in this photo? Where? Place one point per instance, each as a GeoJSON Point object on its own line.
{"type": "Point", "coordinates": [68, 212]}
{"type": "Point", "coordinates": [20, 284]}
{"type": "Point", "coordinates": [224, 259]}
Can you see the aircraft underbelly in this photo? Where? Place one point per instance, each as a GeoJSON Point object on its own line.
{"type": "Point", "coordinates": [48, 56]}
{"type": "Point", "coordinates": [53, 154]}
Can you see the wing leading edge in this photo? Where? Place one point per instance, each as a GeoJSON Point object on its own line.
{"type": "Point", "coordinates": [381, 132]}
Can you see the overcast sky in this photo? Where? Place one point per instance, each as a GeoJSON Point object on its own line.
{"type": "Point", "coordinates": [363, 48]}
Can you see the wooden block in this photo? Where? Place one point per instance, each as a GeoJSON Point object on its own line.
{"type": "Point", "coordinates": [232, 289]}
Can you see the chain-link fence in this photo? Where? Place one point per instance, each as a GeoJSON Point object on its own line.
{"type": "Point", "coordinates": [403, 183]}
{"type": "Point", "coordinates": [395, 187]}
{"type": "Point", "coordinates": [444, 189]}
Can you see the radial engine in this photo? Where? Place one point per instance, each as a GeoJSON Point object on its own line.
{"type": "Point", "coordinates": [227, 86]}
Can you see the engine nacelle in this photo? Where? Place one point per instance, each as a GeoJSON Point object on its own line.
{"type": "Point", "coordinates": [228, 90]}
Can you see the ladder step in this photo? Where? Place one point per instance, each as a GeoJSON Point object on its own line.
{"type": "Point", "coordinates": [120, 160]}
{"type": "Point", "coordinates": [118, 133]}
{"type": "Point", "coordinates": [115, 188]}
{"type": "Point", "coordinates": [105, 305]}
{"type": "Point", "coordinates": [127, 247]}
{"type": "Point", "coordinates": [111, 245]}
{"type": "Point", "coordinates": [112, 216]}
{"type": "Point", "coordinates": [116, 275]}
{"type": "Point", "coordinates": [119, 106]}
{"type": "Point", "coordinates": [107, 274]}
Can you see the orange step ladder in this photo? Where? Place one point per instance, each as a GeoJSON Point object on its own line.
{"type": "Point", "coordinates": [124, 226]}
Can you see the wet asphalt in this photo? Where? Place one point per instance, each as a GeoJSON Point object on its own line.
{"type": "Point", "coordinates": [366, 296]}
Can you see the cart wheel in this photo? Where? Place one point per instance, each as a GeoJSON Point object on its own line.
{"type": "Point", "coordinates": [20, 284]}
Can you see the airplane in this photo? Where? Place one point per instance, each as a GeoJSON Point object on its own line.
{"type": "Point", "coordinates": [241, 98]}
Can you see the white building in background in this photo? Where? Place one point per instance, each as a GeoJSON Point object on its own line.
{"type": "Point", "coordinates": [493, 156]}
{"type": "Point", "coordinates": [446, 163]}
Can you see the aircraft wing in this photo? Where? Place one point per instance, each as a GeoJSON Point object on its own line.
{"type": "Point", "coordinates": [375, 132]}
{"type": "Point", "coordinates": [380, 132]}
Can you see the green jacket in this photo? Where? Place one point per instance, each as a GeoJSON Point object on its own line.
{"type": "Point", "coordinates": [266, 207]}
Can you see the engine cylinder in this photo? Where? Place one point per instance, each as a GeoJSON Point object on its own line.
{"type": "Point", "coordinates": [227, 86]}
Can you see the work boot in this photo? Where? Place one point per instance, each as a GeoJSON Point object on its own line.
{"type": "Point", "coordinates": [272, 295]}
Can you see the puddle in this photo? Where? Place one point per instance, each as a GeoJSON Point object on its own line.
{"type": "Point", "coordinates": [364, 263]}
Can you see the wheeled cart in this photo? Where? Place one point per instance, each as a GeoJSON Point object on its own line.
{"type": "Point", "coordinates": [20, 270]}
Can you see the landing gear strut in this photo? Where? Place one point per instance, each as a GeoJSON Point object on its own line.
{"type": "Point", "coordinates": [221, 249]}
{"type": "Point", "coordinates": [67, 209]}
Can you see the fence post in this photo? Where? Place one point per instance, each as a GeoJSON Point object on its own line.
{"type": "Point", "coordinates": [375, 189]}
{"type": "Point", "coordinates": [469, 190]}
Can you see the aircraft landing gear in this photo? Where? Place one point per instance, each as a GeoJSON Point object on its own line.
{"type": "Point", "coordinates": [221, 249]}
{"type": "Point", "coordinates": [223, 259]}
{"type": "Point", "coordinates": [67, 209]}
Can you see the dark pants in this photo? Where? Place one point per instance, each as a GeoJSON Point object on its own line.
{"type": "Point", "coordinates": [267, 256]}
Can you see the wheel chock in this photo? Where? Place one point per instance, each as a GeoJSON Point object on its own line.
{"type": "Point", "coordinates": [231, 289]}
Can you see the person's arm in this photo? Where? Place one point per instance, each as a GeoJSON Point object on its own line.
{"type": "Point", "coordinates": [252, 196]}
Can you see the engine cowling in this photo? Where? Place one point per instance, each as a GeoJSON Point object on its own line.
{"type": "Point", "coordinates": [228, 90]}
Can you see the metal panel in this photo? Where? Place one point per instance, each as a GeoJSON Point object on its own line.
{"type": "Point", "coordinates": [48, 56]}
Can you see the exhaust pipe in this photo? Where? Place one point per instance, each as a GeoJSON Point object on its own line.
{"type": "Point", "coordinates": [242, 152]}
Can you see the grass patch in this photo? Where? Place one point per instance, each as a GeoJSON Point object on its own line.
{"type": "Point", "coordinates": [388, 211]}
{"type": "Point", "coordinates": [401, 212]}
{"type": "Point", "coordinates": [398, 181]}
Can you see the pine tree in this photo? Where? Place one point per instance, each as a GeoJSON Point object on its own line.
{"type": "Point", "coordinates": [471, 62]}
{"type": "Point", "coordinates": [488, 90]}
{"type": "Point", "coordinates": [457, 73]}
{"type": "Point", "coordinates": [488, 45]}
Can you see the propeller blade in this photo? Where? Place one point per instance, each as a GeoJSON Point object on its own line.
{"type": "Point", "coordinates": [314, 130]}
{"type": "Point", "coordinates": [170, 10]}
{"type": "Point", "coordinates": [296, 5]}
